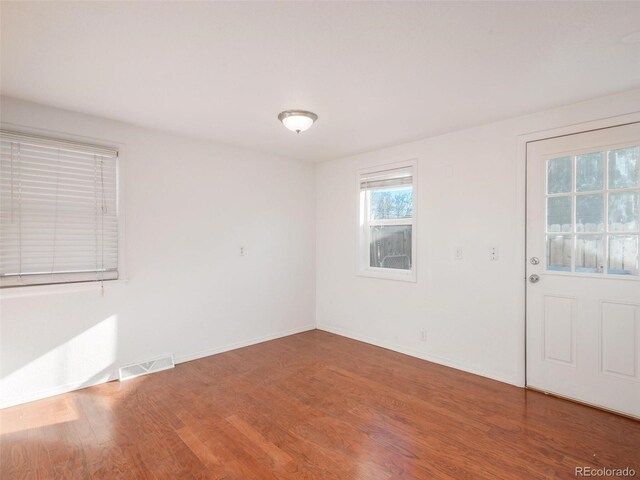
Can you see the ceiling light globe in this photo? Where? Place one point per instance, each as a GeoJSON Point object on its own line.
{"type": "Point", "coordinates": [297, 120]}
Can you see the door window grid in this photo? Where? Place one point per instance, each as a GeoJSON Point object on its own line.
{"type": "Point", "coordinates": [592, 214]}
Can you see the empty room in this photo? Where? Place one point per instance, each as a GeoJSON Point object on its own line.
{"type": "Point", "coordinates": [331, 240]}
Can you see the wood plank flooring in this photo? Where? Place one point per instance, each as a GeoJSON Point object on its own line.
{"type": "Point", "coordinates": [310, 406]}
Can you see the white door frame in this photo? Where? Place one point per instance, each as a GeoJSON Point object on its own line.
{"type": "Point", "coordinates": [521, 197]}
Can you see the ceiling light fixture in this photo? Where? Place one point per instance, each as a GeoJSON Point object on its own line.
{"type": "Point", "coordinates": [297, 120]}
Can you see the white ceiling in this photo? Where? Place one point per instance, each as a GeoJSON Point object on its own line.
{"type": "Point", "coordinates": [377, 74]}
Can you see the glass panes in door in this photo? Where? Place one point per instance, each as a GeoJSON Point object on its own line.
{"type": "Point", "coordinates": [593, 212]}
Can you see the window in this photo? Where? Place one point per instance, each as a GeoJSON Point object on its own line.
{"type": "Point", "coordinates": [58, 211]}
{"type": "Point", "coordinates": [593, 212]}
{"type": "Point", "coordinates": [387, 222]}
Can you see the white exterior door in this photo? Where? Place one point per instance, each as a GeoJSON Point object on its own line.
{"type": "Point", "coordinates": [583, 282]}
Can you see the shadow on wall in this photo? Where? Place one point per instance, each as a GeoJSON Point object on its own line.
{"type": "Point", "coordinates": [76, 355]}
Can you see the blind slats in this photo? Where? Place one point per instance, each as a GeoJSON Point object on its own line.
{"type": "Point", "coordinates": [46, 162]}
{"type": "Point", "coordinates": [58, 211]}
{"type": "Point", "coordinates": [33, 141]}
{"type": "Point", "coordinates": [46, 176]}
{"type": "Point", "coordinates": [387, 179]}
{"type": "Point", "coordinates": [53, 278]}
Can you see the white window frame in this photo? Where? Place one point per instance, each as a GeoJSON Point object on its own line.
{"type": "Point", "coordinates": [70, 287]}
{"type": "Point", "coordinates": [363, 225]}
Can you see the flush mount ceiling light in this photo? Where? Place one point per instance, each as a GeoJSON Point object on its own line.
{"type": "Point", "coordinates": [297, 120]}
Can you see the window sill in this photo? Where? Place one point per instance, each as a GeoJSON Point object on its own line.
{"type": "Point", "coordinates": [61, 288]}
{"type": "Point", "coordinates": [383, 274]}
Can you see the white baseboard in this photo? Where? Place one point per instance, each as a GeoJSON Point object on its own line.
{"type": "Point", "coordinates": [244, 343]}
{"type": "Point", "coordinates": [52, 392]}
{"type": "Point", "coordinates": [252, 341]}
{"type": "Point", "coordinates": [422, 355]}
{"type": "Point", "coordinates": [58, 390]}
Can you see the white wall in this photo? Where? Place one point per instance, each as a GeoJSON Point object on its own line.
{"type": "Point", "coordinates": [189, 205]}
{"type": "Point", "coordinates": [471, 195]}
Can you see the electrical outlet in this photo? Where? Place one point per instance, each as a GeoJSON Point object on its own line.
{"type": "Point", "coordinates": [458, 254]}
{"type": "Point", "coordinates": [242, 251]}
{"type": "Point", "coordinates": [493, 254]}
{"type": "Point", "coordinates": [423, 335]}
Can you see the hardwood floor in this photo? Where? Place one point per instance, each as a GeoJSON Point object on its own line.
{"type": "Point", "coordinates": [312, 406]}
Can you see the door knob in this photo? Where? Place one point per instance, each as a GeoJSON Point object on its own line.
{"type": "Point", "coordinates": [534, 278]}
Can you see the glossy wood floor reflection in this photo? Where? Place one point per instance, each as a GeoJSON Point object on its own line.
{"type": "Point", "coordinates": [313, 406]}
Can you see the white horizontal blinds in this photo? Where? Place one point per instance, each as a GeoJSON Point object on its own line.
{"type": "Point", "coordinates": [387, 178]}
{"type": "Point", "coordinates": [58, 212]}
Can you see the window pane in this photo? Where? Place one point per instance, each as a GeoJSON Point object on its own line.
{"type": "Point", "coordinates": [623, 211]}
{"type": "Point", "coordinates": [623, 255]}
{"type": "Point", "coordinates": [559, 252]}
{"type": "Point", "coordinates": [391, 203]}
{"type": "Point", "coordinates": [559, 214]}
{"type": "Point", "coordinates": [391, 246]}
{"type": "Point", "coordinates": [589, 172]}
{"type": "Point", "coordinates": [559, 175]}
{"type": "Point", "coordinates": [623, 167]}
{"type": "Point", "coordinates": [589, 255]}
{"type": "Point", "coordinates": [590, 213]}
